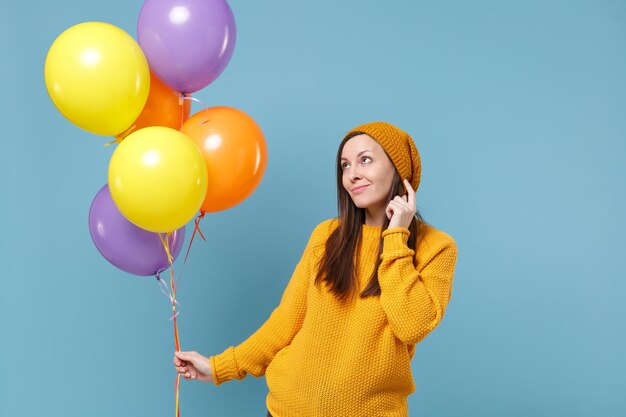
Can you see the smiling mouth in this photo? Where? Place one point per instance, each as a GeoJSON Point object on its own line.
{"type": "Point", "coordinates": [357, 189]}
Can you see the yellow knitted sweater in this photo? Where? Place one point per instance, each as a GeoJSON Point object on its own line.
{"type": "Point", "coordinates": [326, 358]}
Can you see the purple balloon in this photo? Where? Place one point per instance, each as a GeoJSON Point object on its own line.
{"type": "Point", "coordinates": [125, 245]}
{"type": "Point", "coordinates": [188, 43]}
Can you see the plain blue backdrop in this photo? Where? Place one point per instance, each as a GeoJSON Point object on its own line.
{"type": "Point", "coordinates": [519, 111]}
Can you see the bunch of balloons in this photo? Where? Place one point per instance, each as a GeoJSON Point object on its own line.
{"type": "Point", "coordinates": [167, 166]}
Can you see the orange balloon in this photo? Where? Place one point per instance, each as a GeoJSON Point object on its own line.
{"type": "Point", "coordinates": [164, 107]}
{"type": "Point", "coordinates": [235, 153]}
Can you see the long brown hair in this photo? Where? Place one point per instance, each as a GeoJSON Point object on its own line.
{"type": "Point", "coordinates": [337, 264]}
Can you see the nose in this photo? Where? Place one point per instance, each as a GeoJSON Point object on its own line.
{"type": "Point", "coordinates": [354, 173]}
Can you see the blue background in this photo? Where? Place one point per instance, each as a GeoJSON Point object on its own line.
{"type": "Point", "coordinates": [518, 110]}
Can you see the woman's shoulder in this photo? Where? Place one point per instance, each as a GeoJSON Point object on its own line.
{"type": "Point", "coordinates": [325, 228]}
{"type": "Point", "coordinates": [320, 234]}
{"type": "Point", "coordinates": [436, 244]}
{"type": "Point", "coordinates": [434, 239]}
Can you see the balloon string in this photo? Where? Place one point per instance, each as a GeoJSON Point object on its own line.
{"type": "Point", "coordinates": [196, 229]}
{"type": "Point", "coordinates": [177, 391]}
{"type": "Point", "coordinates": [182, 112]}
{"type": "Point", "coordinates": [186, 96]}
{"type": "Point", "coordinates": [166, 242]}
{"type": "Point", "coordinates": [171, 292]}
{"type": "Point", "coordinates": [119, 138]}
{"type": "Point", "coordinates": [181, 102]}
{"type": "Point", "coordinates": [193, 235]}
{"type": "Point", "coordinates": [166, 291]}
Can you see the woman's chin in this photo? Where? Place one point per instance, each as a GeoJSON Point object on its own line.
{"type": "Point", "coordinates": [361, 204]}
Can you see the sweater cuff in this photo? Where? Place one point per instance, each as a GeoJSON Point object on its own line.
{"type": "Point", "coordinates": [395, 238]}
{"type": "Point", "coordinates": [224, 366]}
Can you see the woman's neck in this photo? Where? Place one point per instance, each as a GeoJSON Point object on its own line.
{"type": "Point", "coordinates": [374, 218]}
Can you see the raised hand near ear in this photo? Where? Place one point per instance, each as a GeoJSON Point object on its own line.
{"type": "Point", "coordinates": [401, 210]}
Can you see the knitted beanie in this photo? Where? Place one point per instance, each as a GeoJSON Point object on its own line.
{"type": "Point", "coordinates": [398, 145]}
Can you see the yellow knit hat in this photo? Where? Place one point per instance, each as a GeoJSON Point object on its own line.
{"type": "Point", "coordinates": [398, 145]}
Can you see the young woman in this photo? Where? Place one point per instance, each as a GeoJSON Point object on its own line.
{"type": "Point", "coordinates": [370, 285]}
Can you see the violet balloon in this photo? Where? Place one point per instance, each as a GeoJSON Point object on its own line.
{"type": "Point", "coordinates": [188, 43]}
{"type": "Point", "coordinates": [125, 245]}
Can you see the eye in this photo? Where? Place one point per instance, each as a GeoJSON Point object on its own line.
{"type": "Point", "coordinates": [363, 159]}
{"type": "Point", "coordinates": [344, 165]}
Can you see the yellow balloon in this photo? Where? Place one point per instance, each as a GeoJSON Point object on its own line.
{"type": "Point", "coordinates": [158, 178]}
{"type": "Point", "coordinates": [98, 77]}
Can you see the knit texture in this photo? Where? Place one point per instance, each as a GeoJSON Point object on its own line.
{"type": "Point", "coordinates": [398, 145]}
{"type": "Point", "coordinates": [323, 357]}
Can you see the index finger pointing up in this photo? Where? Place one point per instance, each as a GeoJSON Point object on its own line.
{"type": "Point", "coordinates": [410, 192]}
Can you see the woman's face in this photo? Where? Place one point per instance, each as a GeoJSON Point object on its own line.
{"type": "Point", "coordinates": [367, 174]}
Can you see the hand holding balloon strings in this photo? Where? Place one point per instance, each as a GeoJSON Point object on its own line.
{"type": "Point", "coordinates": [105, 82]}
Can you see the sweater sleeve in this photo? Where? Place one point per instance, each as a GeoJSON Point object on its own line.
{"type": "Point", "coordinates": [415, 299]}
{"type": "Point", "coordinates": [255, 354]}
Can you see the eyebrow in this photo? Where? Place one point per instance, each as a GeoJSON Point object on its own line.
{"type": "Point", "coordinates": [362, 152]}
